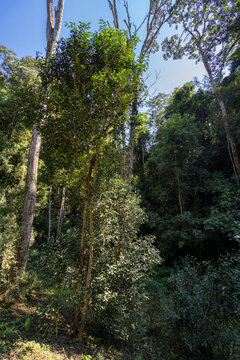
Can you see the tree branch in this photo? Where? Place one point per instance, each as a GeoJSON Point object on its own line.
{"type": "Point", "coordinates": [53, 31]}
{"type": "Point", "coordinates": [113, 8]}
{"type": "Point", "coordinates": [50, 18]}
{"type": "Point", "coordinates": [128, 21]}
{"type": "Point", "coordinates": [58, 18]}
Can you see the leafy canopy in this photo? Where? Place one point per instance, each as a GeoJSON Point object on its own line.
{"type": "Point", "coordinates": [91, 77]}
{"type": "Point", "coordinates": [208, 27]}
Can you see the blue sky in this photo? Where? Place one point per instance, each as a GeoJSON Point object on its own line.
{"type": "Point", "coordinates": [23, 29]}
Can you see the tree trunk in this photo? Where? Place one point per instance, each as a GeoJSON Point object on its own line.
{"type": "Point", "coordinates": [53, 30]}
{"type": "Point", "coordinates": [22, 246]}
{"type": "Point", "coordinates": [228, 132]}
{"type": "Point", "coordinates": [233, 153]}
{"type": "Point", "coordinates": [180, 203]}
{"type": "Point", "coordinates": [82, 244]}
{"type": "Point", "coordinates": [29, 206]}
{"type": "Point", "coordinates": [89, 272]}
{"type": "Point", "coordinates": [143, 160]}
{"type": "Point", "coordinates": [61, 213]}
{"type": "Point", "coordinates": [50, 213]}
{"type": "Point", "coordinates": [130, 154]}
{"type": "Point", "coordinates": [154, 19]}
{"type": "Point", "coordinates": [90, 261]}
{"type": "Point", "coordinates": [89, 184]}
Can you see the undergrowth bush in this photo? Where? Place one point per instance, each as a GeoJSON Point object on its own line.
{"type": "Point", "coordinates": [123, 263]}
{"type": "Point", "coordinates": [198, 311]}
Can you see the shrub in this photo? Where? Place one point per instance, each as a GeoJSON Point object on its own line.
{"type": "Point", "coordinates": [201, 307]}
{"type": "Point", "coordinates": [123, 262]}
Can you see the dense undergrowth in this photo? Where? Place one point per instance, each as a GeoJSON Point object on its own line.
{"type": "Point", "coordinates": [192, 313]}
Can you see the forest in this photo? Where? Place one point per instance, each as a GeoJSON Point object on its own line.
{"type": "Point", "coordinates": [120, 210]}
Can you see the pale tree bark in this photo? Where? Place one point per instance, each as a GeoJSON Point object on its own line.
{"type": "Point", "coordinates": [23, 243]}
{"type": "Point", "coordinates": [233, 153]}
{"type": "Point", "coordinates": [61, 213]}
{"type": "Point", "coordinates": [53, 29]}
{"type": "Point", "coordinates": [113, 8]}
{"type": "Point", "coordinates": [29, 205]}
{"type": "Point", "coordinates": [180, 202]}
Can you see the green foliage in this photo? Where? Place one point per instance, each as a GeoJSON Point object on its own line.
{"type": "Point", "coordinates": [206, 32]}
{"type": "Point", "coordinates": [27, 323]}
{"type": "Point", "coordinates": [13, 160]}
{"type": "Point", "coordinates": [236, 52]}
{"type": "Point", "coordinates": [199, 309]}
{"type": "Point", "coordinates": [61, 271]}
{"type": "Point", "coordinates": [8, 329]}
{"type": "Point", "coordinates": [214, 230]}
{"type": "Point", "coordinates": [181, 167]}
{"type": "Point", "coordinates": [123, 262]}
{"type": "Point", "coordinates": [20, 90]}
{"type": "Point", "coordinates": [91, 82]}
{"type": "Point", "coordinates": [190, 196]}
{"type": "Point", "coordinates": [20, 96]}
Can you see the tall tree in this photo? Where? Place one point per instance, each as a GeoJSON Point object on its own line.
{"type": "Point", "coordinates": [54, 23]}
{"type": "Point", "coordinates": [159, 12]}
{"type": "Point", "coordinates": [91, 90]}
{"type": "Point", "coordinates": [209, 35]}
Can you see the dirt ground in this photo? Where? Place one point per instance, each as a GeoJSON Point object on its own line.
{"type": "Point", "coordinates": [33, 329]}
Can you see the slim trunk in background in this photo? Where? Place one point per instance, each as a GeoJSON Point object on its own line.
{"type": "Point", "coordinates": [22, 246]}
{"type": "Point", "coordinates": [143, 160]}
{"type": "Point", "coordinates": [130, 153]}
{"type": "Point", "coordinates": [61, 213]}
{"type": "Point", "coordinates": [180, 202]}
{"type": "Point", "coordinates": [49, 213]}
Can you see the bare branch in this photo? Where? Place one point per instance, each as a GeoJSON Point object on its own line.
{"type": "Point", "coordinates": [157, 74]}
{"type": "Point", "coordinates": [113, 8]}
{"type": "Point", "coordinates": [149, 15]}
{"type": "Point", "coordinates": [58, 18]}
{"type": "Point", "coordinates": [154, 25]}
{"type": "Point", "coordinates": [137, 29]}
{"type": "Point", "coordinates": [128, 21]}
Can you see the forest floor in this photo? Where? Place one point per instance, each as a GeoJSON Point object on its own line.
{"type": "Point", "coordinates": [31, 329]}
